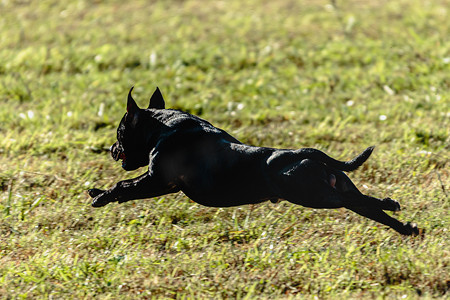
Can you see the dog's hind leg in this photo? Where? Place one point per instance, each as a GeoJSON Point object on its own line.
{"type": "Point", "coordinates": [378, 215]}
{"type": "Point", "coordinates": [308, 183]}
{"type": "Point", "coordinates": [312, 184]}
{"type": "Point", "coordinates": [369, 207]}
{"type": "Point", "coordinates": [323, 195]}
{"type": "Point", "coordinates": [350, 191]}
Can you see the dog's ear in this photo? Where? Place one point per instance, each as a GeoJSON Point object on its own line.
{"type": "Point", "coordinates": [132, 107]}
{"type": "Point", "coordinates": [157, 100]}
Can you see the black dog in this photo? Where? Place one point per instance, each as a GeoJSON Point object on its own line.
{"type": "Point", "coordinates": [186, 153]}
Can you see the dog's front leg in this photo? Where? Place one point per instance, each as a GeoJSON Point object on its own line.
{"type": "Point", "coordinates": [144, 186]}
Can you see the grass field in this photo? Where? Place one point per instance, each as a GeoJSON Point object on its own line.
{"type": "Point", "coordinates": [335, 75]}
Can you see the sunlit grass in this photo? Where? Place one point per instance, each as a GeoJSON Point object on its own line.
{"type": "Point", "coordinates": [338, 77]}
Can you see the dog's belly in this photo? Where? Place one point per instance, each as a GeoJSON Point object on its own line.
{"type": "Point", "coordinates": [226, 195]}
{"type": "Point", "coordinates": [235, 175]}
{"type": "Point", "coordinates": [225, 198]}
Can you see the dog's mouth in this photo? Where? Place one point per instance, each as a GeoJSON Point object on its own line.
{"type": "Point", "coordinates": [121, 156]}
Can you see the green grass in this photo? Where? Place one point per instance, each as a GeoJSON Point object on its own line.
{"type": "Point", "coordinates": [274, 73]}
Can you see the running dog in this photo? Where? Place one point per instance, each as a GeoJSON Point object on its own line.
{"type": "Point", "coordinates": [186, 153]}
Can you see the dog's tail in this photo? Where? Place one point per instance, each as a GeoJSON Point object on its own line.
{"type": "Point", "coordinates": [337, 164]}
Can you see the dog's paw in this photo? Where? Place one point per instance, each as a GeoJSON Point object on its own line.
{"type": "Point", "coordinates": [390, 204]}
{"type": "Point", "coordinates": [103, 199]}
{"type": "Point", "coordinates": [95, 192]}
{"type": "Point", "coordinates": [412, 229]}
{"type": "Point", "coordinates": [99, 201]}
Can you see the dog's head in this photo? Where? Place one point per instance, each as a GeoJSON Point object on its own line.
{"type": "Point", "coordinates": [133, 133]}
